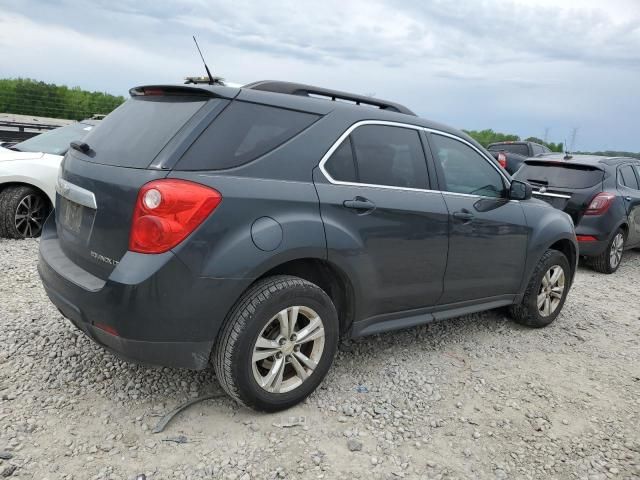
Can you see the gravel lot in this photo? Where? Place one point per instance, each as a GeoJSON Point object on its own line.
{"type": "Point", "coordinates": [473, 397]}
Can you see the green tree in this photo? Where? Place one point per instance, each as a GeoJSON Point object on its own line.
{"type": "Point", "coordinates": [31, 97]}
{"type": "Point", "coordinates": [485, 137]}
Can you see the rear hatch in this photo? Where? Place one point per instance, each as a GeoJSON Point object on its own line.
{"type": "Point", "coordinates": [569, 187]}
{"type": "Point", "coordinates": [100, 179]}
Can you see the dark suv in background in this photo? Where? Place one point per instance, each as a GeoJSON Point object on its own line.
{"type": "Point", "coordinates": [602, 195]}
{"type": "Point", "coordinates": [253, 227]}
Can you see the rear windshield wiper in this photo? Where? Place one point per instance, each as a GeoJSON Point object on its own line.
{"type": "Point", "coordinates": [537, 182]}
{"type": "Point", "coordinates": [81, 147]}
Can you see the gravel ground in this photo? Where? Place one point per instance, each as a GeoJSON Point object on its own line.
{"type": "Point", "coordinates": [473, 397]}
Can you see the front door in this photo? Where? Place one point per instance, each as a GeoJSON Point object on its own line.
{"type": "Point", "coordinates": [488, 233]}
{"type": "Point", "coordinates": [383, 226]}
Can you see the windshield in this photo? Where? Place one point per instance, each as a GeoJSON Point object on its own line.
{"type": "Point", "coordinates": [55, 142]}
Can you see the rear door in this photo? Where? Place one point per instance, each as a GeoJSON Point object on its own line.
{"type": "Point", "coordinates": [488, 233]}
{"type": "Point", "coordinates": [99, 182]}
{"type": "Point", "coordinates": [629, 187]}
{"type": "Point", "coordinates": [383, 224]}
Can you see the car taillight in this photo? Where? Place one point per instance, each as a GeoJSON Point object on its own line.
{"type": "Point", "coordinates": [586, 238]}
{"type": "Point", "coordinates": [167, 211]}
{"type": "Point", "coordinates": [600, 203]}
{"type": "Point", "coordinates": [502, 160]}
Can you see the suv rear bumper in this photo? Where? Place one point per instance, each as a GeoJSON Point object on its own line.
{"type": "Point", "coordinates": [151, 310]}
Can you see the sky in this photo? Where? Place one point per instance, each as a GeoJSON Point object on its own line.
{"type": "Point", "coordinates": [527, 67]}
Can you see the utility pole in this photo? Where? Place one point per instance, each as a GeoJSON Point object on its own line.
{"type": "Point", "coordinates": [574, 132]}
{"type": "Point", "coordinates": [546, 135]}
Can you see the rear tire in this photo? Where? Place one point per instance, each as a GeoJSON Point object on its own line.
{"type": "Point", "coordinates": [545, 295]}
{"type": "Point", "coordinates": [23, 210]}
{"type": "Point", "coordinates": [609, 261]}
{"type": "Point", "coordinates": [259, 359]}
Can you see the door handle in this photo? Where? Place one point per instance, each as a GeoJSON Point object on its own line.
{"type": "Point", "coordinates": [463, 215]}
{"type": "Point", "coordinates": [628, 198]}
{"type": "Point", "coordinates": [359, 203]}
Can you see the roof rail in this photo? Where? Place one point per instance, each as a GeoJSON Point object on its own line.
{"type": "Point", "coordinates": [319, 92]}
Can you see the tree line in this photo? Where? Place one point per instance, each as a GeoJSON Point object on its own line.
{"type": "Point", "coordinates": [488, 136]}
{"type": "Point", "coordinates": [30, 97]}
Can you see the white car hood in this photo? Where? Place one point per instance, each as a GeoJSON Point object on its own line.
{"type": "Point", "coordinates": [8, 155]}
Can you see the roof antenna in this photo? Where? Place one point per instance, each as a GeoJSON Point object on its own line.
{"type": "Point", "coordinates": [211, 79]}
{"type": "Point", "coordinates": [205, 63]}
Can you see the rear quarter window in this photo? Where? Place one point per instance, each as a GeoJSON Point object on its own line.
{"type": "Point", "coordinates": [241, 133]}
{"type": "Point", "coordinates": [562, 176]}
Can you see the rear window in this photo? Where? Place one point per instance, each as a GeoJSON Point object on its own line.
{"type": "Point", "coordinates": [519, 148]}
{"type": "Point", "coordinates": [243, 132]}
{"type": "Point", "coordinates": [563, 176]}
{"type": "Point", "coordinates": [134, 133]}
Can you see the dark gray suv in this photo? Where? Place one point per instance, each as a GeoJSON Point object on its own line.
{"type": "Point", "coordinates": [252, 228]}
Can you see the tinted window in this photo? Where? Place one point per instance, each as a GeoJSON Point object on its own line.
{"type": "Point", "coordinates": [628, 177]}
{"type": "Point", "coordinates": [465, 170]}
{"type": "Point", "coordinates": [341, 165]}
{"type": "Point", "coordinates": [135, 132]}
{"type": "Point", "coordinates": [564, 176]}
{"type": "Point", "coordinates": [519, 148]}
{"type": "Point", "coordinates": [55, 142]}
{"type": "Point", "coordinates": [537, 149]}
{"type": "Point", "coordinates": [241, 133]}
{"type": "Point", "coordinates": [389, 156]}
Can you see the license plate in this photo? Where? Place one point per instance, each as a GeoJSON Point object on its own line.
{"type": "Point", "coordinates": [71, 215]}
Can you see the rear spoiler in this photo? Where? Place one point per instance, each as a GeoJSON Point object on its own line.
{"type": "Point", "coordinates": [560, 162]}
{"type": "Point", "coordinates": [184, 91]}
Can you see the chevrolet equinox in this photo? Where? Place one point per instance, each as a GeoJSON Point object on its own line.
{"type": "Point", "coordinates": [253, 227]}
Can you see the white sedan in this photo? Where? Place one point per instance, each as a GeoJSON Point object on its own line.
{"type": "Point", "coordinates": [28, 174]}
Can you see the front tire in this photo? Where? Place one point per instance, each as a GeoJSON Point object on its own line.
{"type": "Point", "coordinates": [277, 343]}
{"type": "Point", "coordinates": [546, 293]}
{"type": "Point", "coordinates": [609, 260]}
{"type": "Point", "coordinates": [23, 210]}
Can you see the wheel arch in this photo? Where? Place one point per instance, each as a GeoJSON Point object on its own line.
{"type": "Point", "coordinates": [329, 277]}
{"type": "Point", "coordinates": [20, 183]}
{"type": "Point", "coordinates": [569, 250]}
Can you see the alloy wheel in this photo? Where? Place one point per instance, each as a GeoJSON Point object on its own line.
{"type": "Point", "coordinates": [551, 290]}
{"type": "Point", "coordinates": [30, 215]}
{"type": "Point", "coordinates": [615, 254]}
{"type": "Point", "coordinates": [288, 349]}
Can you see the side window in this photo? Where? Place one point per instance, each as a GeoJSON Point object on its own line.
{"type": "Point", "coordinates": [390, 156]}
{"type": "Point", "coordinates": [341, 166]}
{"type": "Point", "coordinates": [627, 177]}
{"type": "Point", "coordinates": [243, 132]}
{"type": "Point", "coordinates": [465, 170]}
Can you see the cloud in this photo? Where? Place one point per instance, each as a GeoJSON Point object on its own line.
{"type": "Point", "coordinates": [516, 65]}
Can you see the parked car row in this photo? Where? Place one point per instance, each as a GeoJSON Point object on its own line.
{"type": "Point", "coordinates": [28, 173]}
{"type": "Point", "coordinates": [250, 228]}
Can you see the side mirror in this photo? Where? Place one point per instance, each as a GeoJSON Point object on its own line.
{"type": "Point", "coordinates": [520, 190]}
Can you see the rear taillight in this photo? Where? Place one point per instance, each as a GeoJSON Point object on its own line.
{"type": "Point", "coordinates": [586, 238]}
{"type": "Point", "coordinates": [167, 211]}
{"type": "Point", "coordinates": [600, 203]}
{"type": "Point", "coordinates": [502, 160]}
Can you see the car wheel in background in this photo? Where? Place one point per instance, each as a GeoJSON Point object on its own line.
{"type": "Point", "coordinates": [277, 344]}
{"type": "Point", "coordinates": [23, 210]}
{"type": "Point", "coordinates": [609, 260]}
{"type": "Point", "coordinates": [546, 293]}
